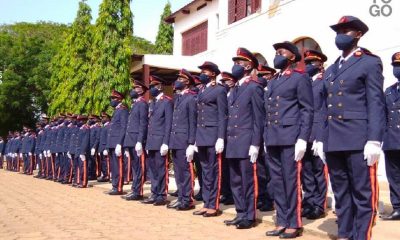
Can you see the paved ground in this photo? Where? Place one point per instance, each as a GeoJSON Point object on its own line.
{"type": "Point", "coordinates": [39, 209]}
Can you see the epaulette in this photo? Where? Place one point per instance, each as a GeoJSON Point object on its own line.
{"type": "Point", "coordinates": [85, 127]}
{"type": "Point", "coordinates": [122, 106]}
{"type": "Point", "coordinates": [359, 53]}
{"type": "Point", "coordinates": [288, 72]}
{"type": "Point", "coordinates": [299, 71]}
{"type": "Point", "coordinates": [140, 99]}
{"type": "Point", "coordinates": [166, 97]}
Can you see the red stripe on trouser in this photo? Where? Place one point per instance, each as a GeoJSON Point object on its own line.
{"type": "Point", "coordinates": [78, 175]}
{"type": "Point", "coordinates": [84, 174]}
{"type": "Point", "coordinates": [121, 176]}
{"type": "Point", "coordinates": [299, 198]}
{"type": "Point", "coordinates": [219, 159]}
{"type": "Point", "coordinates": [18, 167]}
{"type": "Point", "coordinates": [30, 165]}
{"type": "Point", "coordinates": [255, 189]}
{"type": "Point", "coordinates": [191, 181]}
{"type": "Point", "coordinates": [143, 173]}
{"type": "Point", "coordinates": [326, 177]}
{"type": "Point", "coordinates": [108, 166]}
{"type": "Point", "coordinates": [372, 173]}
{"type": "Point", "coordinates": [52, 166]}
{"type": "Point", "coordinates": [70, 171]}
{"type": "Point", "coordinates": [128, 177]}
{"type": "Point", "coordinates": [166, 173]}
{"type": "Point", "coordinates": [97, 164]}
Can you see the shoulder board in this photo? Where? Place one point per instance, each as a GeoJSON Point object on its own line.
{"type": "Point", "coordinates": [85, 127]}
{"type": "Point", "coordinates": [41, 131]}
{"type": "Point", "coordinates": [288, 72]}
{"type": "Point", "coordinates": [166, 97]}
{"type": "Point", "coordinates": [255, 81]}
{"type": "Point", "coordinates": [122, 106]}
{"type": "Point", "coordinates": [299, 71]}
{"type": "Point", "coordinates": [141, 99]}
{"type": "Point", "coordinates": [364, 51]}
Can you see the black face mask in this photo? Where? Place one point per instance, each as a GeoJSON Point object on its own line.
{"type": "Point", "coordinates": [280, 62]}
{"type": "Point", "coordinates": [134, 94]}
{"type": "Point", "coordinates": [114, 103]}
{"type": "Point", "coordinates": [80, 124]}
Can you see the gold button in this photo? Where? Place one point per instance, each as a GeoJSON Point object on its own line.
{"type": "Point", "coordinates": [340, 93]}
{"type": "Point", "coordinates": [235, 126]}
{"type": "Point", "coordinates": [329, 105]}
{"type": "Point", "coordinates": [330, 95]}
{"type": "Point", "coordinates": [276, 121]}
{"type": "Point", "coordinates": [339, 105]}
{"type": "Point", "coordinates": [340, 117]}
{"type": "Point", "coordinates": [277, 97]}
{"type": "Point", "coordinates": [341, 81]}
{"type": "Point", "coordinates": [276, 114]}
{"type": "Point", "coordinates": [269, 123]}
{"type": "Point", "coordinates": [329, 117]}
{"type": "Point", "coordinates": [277, 105]}
{"type": "Point", "coordinates": [331, 83]}
{"type": "Point", "coordinates": [270, 98]}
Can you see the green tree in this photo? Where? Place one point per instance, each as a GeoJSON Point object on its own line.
{"type": "Point", "coordinates": [112, 50]}
{"type": "Point", "coordinates": [70, 68]}
{"type": "Point", "coordinates": [165, 35]}
{"type": "Point", "coordinates": [142, 46]}
{"type": "Point", "coordinates": [26, 50]}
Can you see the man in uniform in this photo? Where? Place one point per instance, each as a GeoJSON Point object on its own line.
{"type": "Point", "coordinates": [315, 172]}
{"type": "Point", "coordinates": [66, 170]}
{"type": "Point", "coordinates": [210, 135]}
{"type": "Point", "coordinates": [72, 154]}
{"type": "Point", "coordinates": [82, 151]}
{"type": "Point", "coordinates": [265, 201]}
{"type": "Point", "coordinates": [2, 147]}
{"type": "Point", "coordinates": [135, 139]}
{"type": "Point", "coordinates": [158, 135]}
{"type": "Point", "coordinates": [353, 129]}
{"type": "Point", "coordinates": [289, 115]}
{"type": "Point", "coordinates": [59, 147]}
{"type": "Point", "coordinates": [244, 134]}
{"type": "Point", "coordinates": [181, 142]}
{"type": "Point", "coordinates": [93, 163]}
{"type": "Point", "coordinates": [102, 150]}
{"type": "Point", "coordinates": [391, 142]}
{"type": "Point", "coordinates": [115, 139]}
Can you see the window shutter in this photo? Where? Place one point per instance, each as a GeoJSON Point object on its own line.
{"type": "Point", "coordinates": [241, 9]}
{"type": "Point", "coordinates": [195, 40]}
{"type": "Point", "coordinates": [231, 11]}
{"type": "Point", "coordinates": [255, 5]}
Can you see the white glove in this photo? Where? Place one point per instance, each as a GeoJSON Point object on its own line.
{"type": "Point", "coordinates": [190, 153]}
{"type": "Point", "coordinates": [265, 148]}
{"type": "Point", "coordinates": [92, 151]}
{"type": "Point", "coordinates": [56, 154]}
{"type": "Point", "coordinates": [164, 149]}
{"type": "Point", "coordinates": [299, 149]}
{"type": "Point", "coordinates": [69, 155]}
{"type": "Point", "coordinates": [196, 149]}
{"type": "Point", "coordinates": [318, 150]}
{"type": "Point", "coordinates": [253, 153]}
{"type": "Point", "coordinates": [40, 156]}
{"type": "Point", "coordinates": [219, 145]}
{"type": "Point", "coordinates": [82, 157]}
{"type": "Point", "coordinates": [139, 149]}
{"type": "Point", "coordinates": [105, 152]}
{"type": "Point", "coordinates": [44, 153]}
{"type": "Point", "coordinates": [20, 155]}
{"type": "Point", "coordinates": [29, 153]}
{"type": "Point", "coordinates": [372, 152]}
{"type": "Point", "coordinates": [48, 153]}
{"type": "Point", "coordinates": [126, 153]}
{"type": "Point", "coordinates": [118, 150]}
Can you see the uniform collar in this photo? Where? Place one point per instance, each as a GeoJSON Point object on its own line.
{"type": "Point", "coordinates": [349, 56]}
{"type": "Point", "coordinates": [159, 96]}
{"type": "Point", "coordinates": [317, 76]}
{"type": "Point", "coordinates": [241, 81]}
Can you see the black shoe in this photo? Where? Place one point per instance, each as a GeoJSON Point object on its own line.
{"type": "Point", "coordinates": [198, 197]}
{"type": "Point", "coordinates": [37, 176]}
{"type": "Point", "coordinates": [173, 205]}
{"type": "Point", "coordinates": [133, 197]}
{"type": "Point", "coordinates": [295, 234]}
{"type": "Point", "coordinates": [306, 211]}
{"type": "Point", "coordinates": [275, 233]}
{"type": "Point", "coordinates": [115, 192]}
{"type": "Point", "coordinates": [103, 179]}
{"type": "Point", "coordinates": [80, 186]}
{"type": "Point", "coordinates": [228, 201]}
{"type": "Point", "coordinates": [148, 201]}
{"type": "Point", "coordinates": [245, 224]}
{"type": "Point", "coordinates": [92, 178]}
{"type": "Point", "coordinates": [174, 194]}
{"type": "Point", "coordinates": [214, 214]}
{"type": "Point", "coordinates": [199, 213]}
{"type": "Point", "coordinates": [185, 207]}
{"type": "Point", "coordinates": [267, 208]}
{"type": "Point", "coordinates": [127, 195]}
{"type": "Point", "coordinates": [395, 215]}
{"type": "Point", "coordinates": [232, 222]}
{"type": "Point", "coordinates": [160, 203]}
{"type": "Point", "coordinates": [316, 214]}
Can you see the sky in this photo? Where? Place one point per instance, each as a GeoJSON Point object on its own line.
{"type": "Point", "coordinates": [146, 12]}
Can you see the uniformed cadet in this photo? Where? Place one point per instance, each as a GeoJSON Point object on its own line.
{"type": "Point", "coordinates": [158, 136]}
{"type": "Point", "coordinates": [24, 149]}
{"type": "Point", "coordinates": [353, 131]}
{"type": "Point", "coordinates": [289, 115]}
{"type": "Point", "coordinates": [265, 201]}
{"type": "Point", "coordinates": [72, 155]}
{"type": "Point", "coordinates": [66, 172]}
{"type": "Point", "coordinates": [17, 147]}
{"type": "Point", "coordinates": [8, 151]}
{"type": "Point", "coordinates": [82, 151]}
{"type": "Point", "coordinates": [93, 161]}
{"type": "Point", "coordinates": [42, 156]}
{"type": "Point", "coordinates": [244, 137]}
{"type": "Point", "coordinates": [315, 172]}
{"type": "Point", "coordinates": [391, 141]}
{"type": "Point", "coordinates": [59, 147]}
{"type": "Point", "coordinates": [196, 160]}
{"type": "Point", "coordinates": [29, 152]}
{"type": "Point", "coordinates": [210, 136]}
{"type": "Point", "coordinates": [102, 150]}
{"type": "Point", "coordinates": [182, 140]}
{"type": "Point", "coordinates": [115, 140]}
{"type": "Point", "coordinates": [2, 148]}
{"type": "Point", "coordinates": [135, 140]}
{"type": "Point", "coordinates": [46, 150]}
{"type": "Point", "coordinates": [38, 152]}
{"type": "Point", "coordinates": [53, 148]}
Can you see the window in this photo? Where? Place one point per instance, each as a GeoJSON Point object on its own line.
{"type": "Point", "coordinates": [194, 41]}
{"type": "Point", "coordinates": [304, 44]}
{"type": "Point", "coordinates": [238, 9]}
